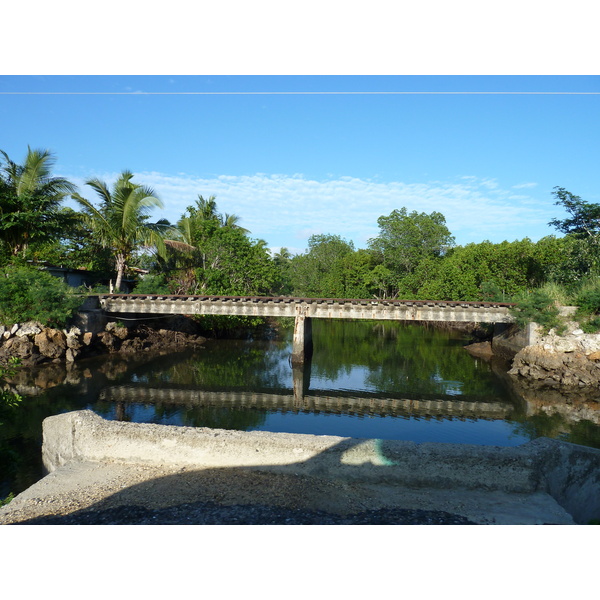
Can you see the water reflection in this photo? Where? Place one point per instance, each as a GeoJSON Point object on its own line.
{"type": "Point", "coordinates": [376, 380]}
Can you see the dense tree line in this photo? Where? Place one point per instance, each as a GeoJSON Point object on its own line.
{"type": "Point", "coordinates": [414, 256]}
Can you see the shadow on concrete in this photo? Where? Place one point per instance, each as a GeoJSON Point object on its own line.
{"type": "Point", "coordinates": [190, 475]}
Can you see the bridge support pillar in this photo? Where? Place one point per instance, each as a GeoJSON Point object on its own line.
{"type": "Point", "coordinates": [302, 346]}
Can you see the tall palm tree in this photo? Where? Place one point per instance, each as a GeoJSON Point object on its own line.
{"type": "Point", "coordinates": [30, 199]}
{"type": "Point", "coordinates": [121, 221]}
{"type": "Point", "coordinates": [206, 210]}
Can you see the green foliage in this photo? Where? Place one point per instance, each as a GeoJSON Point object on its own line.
{"type": "Point", "coordinates": [282, 261]}
{"type": "Point", "coordinates": [152, 284]}
{"type": "Point", "coordinates": [7, 500]}
{"type": "Point", "coordinates": [211, 254]}
{"type": "Point", "coordinates": [588, 299]}
{"type": "Point", "coordinates": [405, 240]}
{"type": "Point", "coordinates": [331, 269]}
{"type": "Point", "coordinates": [584, 218]}
{"type": "Point", "coordinates": [538, 307]}
{"type": "Point", "coordinates": [30, 200]}
{"type": "Point", "coordinates": [588, 303]}
{"type": "Point", "coordinates": [120, 222]}
{"type": "Point", "coordinates": [74, 247]}
{"type": "Point", "coordinates": [27, 294]}
{"type": "Point", "coordinates": [8, 400]}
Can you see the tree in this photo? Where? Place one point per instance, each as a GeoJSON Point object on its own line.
{"type": "Point", "coordinates": [405, 240]}
{"type": "Point", "coordinates": [30, 199]}
{"type": "Point", "coordinates": [75, 247]}
{"type": "Point", "coordinates": [121, 221]}
{"type": "Point", "coordinates": [583, 226]}
{"type": "Point", "coordinates": [584, 220]}
{"type": "Point", "coordinates": [320, 272]}
{"type": "Point", "coordinates": [211, 253]}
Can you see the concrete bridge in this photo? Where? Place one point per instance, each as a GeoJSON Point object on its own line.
{"type": "Point", "coordinates": [305, 309]}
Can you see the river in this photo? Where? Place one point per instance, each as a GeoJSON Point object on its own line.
{"type": "Point", "coordinates": [381, 380]}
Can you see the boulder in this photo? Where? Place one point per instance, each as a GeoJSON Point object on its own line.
{"type": "Point", "coordinates": [21, 347]}
{"type": "Point", "coordinates": [29, 328]}
{"type": "Point", "coordinates": [52, 343]}
{"type": "Point", "coordinates": [118, 330]}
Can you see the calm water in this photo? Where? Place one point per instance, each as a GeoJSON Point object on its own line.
{"type": "Point", "coordinates": [375, 380]}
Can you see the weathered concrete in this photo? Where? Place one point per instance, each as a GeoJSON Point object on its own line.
{"type": "Point", "coordinates": [565, 474]}
{"type": "Point", "coordinates": [317, 308]}
{"type": "Point", "coordinates": [302, 345]}
{"type": "Point", "coordinates": [509, 339]}
{"type": "Point", "coordinates": [305, 309]}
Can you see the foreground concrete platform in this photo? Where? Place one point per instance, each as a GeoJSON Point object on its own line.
{"type": "Point", "coordinates": [93, 462]}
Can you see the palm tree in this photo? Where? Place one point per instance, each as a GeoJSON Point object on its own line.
{"type": "Point", "coordinates": [30, 200]}
{"type": "Point", "coordinates": [206, 211]}
{"type": "Point", "coordinates": [120, 223]}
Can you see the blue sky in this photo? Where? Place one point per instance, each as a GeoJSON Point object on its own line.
{"type": "Point", "coordinates": [299, 155]}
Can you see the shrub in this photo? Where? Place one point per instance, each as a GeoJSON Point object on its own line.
{"type": "Point", "coordinates": [588, 300]}
{"type": "Point", "coordinates": [152, 284]}
{"type": "Point", "coordinates": [27, 294]}
{"type": "Point", "coordinates": [537, 307]}
{"type": "Point", "coordinates": [557, 292]}
{"type": "Point", "coordinates": [591, 325]}
{"type": "Point", "coordinates": [588, 303]}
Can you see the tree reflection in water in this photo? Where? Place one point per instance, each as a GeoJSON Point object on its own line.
{"type": "Point", "coordinates": [372, 359]}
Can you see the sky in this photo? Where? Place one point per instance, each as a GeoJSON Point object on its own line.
{"type": "Point", "coordinates": [297, 155]}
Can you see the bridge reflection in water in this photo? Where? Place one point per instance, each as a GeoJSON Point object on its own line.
{"type": "Point", "coordinates": [302, 400]}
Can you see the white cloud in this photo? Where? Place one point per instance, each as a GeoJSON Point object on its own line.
{"type": "Point", "coordinates": [521, 186]}
{"type": "Point", "coordinates": [285, 210]}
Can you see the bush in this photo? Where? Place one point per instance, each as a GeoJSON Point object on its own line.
{"type": "Point", "coordinates": [152, 284]}
{"type": "Point", "coordinates": [588, 300]}
{"type": "Point", "coordinates": [27, 294]}
{"type": "Point", "coordinates": [537, 307]}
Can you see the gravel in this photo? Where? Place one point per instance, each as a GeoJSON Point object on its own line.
{"type": "Point", "coordinates": [210, 513]}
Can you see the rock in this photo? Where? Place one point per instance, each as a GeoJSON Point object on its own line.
{"type": "Point", "coordinates": [480, 349]}
{"type": "Point", "coordinates": [52, 343]}
{"type": "Point", "coordinates": [29, 328]}
{"type": "Point", "coordinates": [108, 341]}
{"type": "Point", "coordinates": [594, 356]}
{"type": "Point", "coordinates": [88, 337]}
{"type": "Point", "coordinates": [71, 354]}
{"type": "Point", "coordinates": [21, 347]}
{"type": "Point", "coordinates": [14, 329]}
{"type": "Point", "coordinates": [73, 342]}
{"type": "Point", "coordinates": [564, 368]}
{"type": "Point", "coordinates": [117, 330]}
{"type": "Point", "coordinates": [565, 345]}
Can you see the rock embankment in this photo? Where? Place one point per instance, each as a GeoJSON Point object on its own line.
{"type": "Point", "coordinates": [35, 344]}
{"type": "Point", "coordinates": [571, 359]}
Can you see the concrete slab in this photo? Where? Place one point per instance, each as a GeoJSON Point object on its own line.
{"type": "Point", "coordinates": [95, 462]}
{"type": "Point", "coordinates": [99, 486]}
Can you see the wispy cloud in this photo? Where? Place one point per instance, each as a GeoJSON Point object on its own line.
{"type": "Point", "coordinates": [521, 186]}
{"type": "Point", "coordinates": [285, 210]}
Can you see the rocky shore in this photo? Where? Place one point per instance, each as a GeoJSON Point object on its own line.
{"type": "Point", "coordinates": [570, 360]}
{"type": "Point", "coordinates": [33, 344]}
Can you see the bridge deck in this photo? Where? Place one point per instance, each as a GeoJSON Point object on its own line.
{"type": "Point", "coordinates": [320, 308]}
